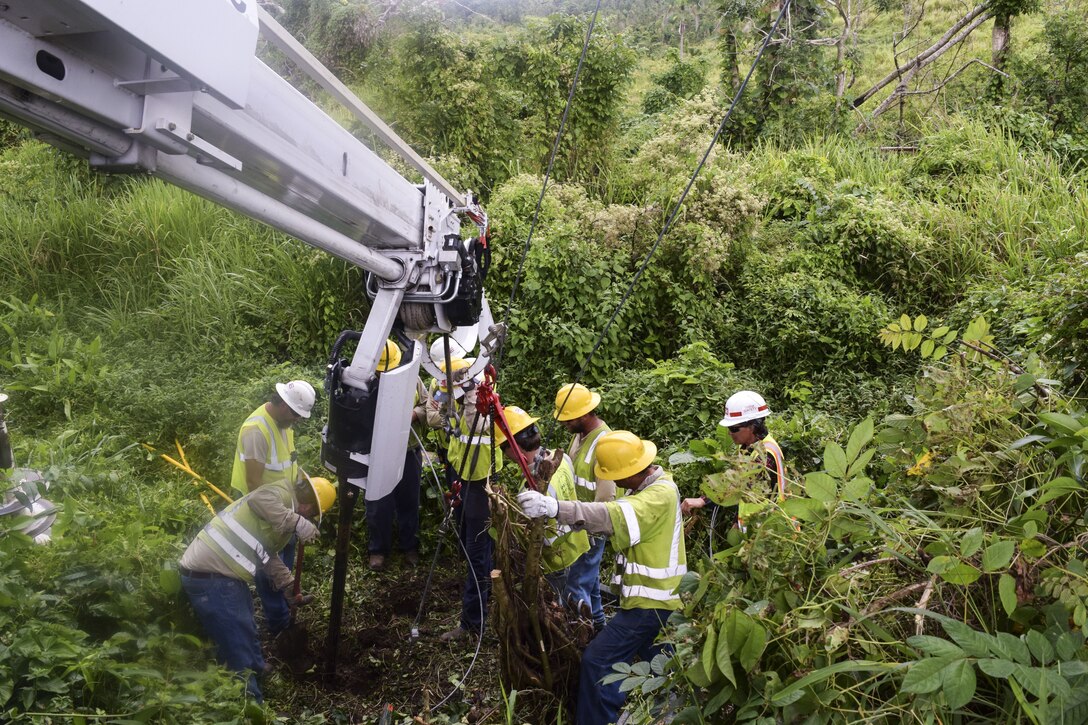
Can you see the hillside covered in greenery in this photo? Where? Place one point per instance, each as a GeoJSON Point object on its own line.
{"type": "Point", "coordinates": [900, 266]}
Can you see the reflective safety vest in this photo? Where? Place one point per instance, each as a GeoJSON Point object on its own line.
{"type": "Point", "coordinates": [464, 448]}
{"type": "Point", "coordinates": [648, 534]}
{"type": "Point", "coordinates": [776, 467]}
{"type": "Point", "coordinates": [585, 479]}
{"type": "Point", "coordinates": [244, 541]}
{"type": "Point", "coordinates": [779, 463]}
{"type": "Point", "coordinates": [281, 466]}
{"type": "Point", "coordinates": [562, 545]}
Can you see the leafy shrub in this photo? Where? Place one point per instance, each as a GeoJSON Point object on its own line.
{"type": "Point", "coordinates": [681, 80]}
{"type": "Point", "coordinates": [1047, 312]}
{"type": "Point", "coordinates": [54, 369]}
{"type": "Point", "coordinates": [790, 320]}
{"type": "Point", "coordinates": [943, 529]}
{"type": "Point", "coordinates": [671, 401]}
{"type": "Point", "coordinates": [87, 625]}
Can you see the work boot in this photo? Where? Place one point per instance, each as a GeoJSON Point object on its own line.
{"type": "Point", "coordinates": [411, 558]}
{"type": "Point", "coordinates": [377, 562]}
{"type": "Point", "coordinates": [584, 610]}
{"type": "Point", "coordinates": [304, 599]}
{"type": "Point", "coordinates": [456, 634]}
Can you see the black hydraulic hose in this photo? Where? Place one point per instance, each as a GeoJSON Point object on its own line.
{"type": "Point", "coordinates": [345, 336]}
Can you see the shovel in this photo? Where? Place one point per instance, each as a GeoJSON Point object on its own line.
{"type": "Point", "coordinates": [293, 643]}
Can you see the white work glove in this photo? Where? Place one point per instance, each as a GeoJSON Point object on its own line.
{"type": "Point", "coordinates": [536, 504]}
{"type": "Point", "coordinates": [306, 530]}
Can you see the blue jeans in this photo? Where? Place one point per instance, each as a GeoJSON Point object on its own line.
{"type": "Point", "coordinates": [402, 504]}
{"type": "Point", "coordinates": [629, 633]}
{"type": "Point", "coordinates": [473, 518]}
{"type": "Point", "coordinates": [225, 610]}
{"type": "Point", "coordinates": [277, 613]}
{"type": "Point", "coordinates": [557, 580]}
{"type": "Point", "coordinates": [584, 579]}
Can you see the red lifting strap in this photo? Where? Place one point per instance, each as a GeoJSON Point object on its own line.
{"type": "Point", "coordinates": [488, 403]}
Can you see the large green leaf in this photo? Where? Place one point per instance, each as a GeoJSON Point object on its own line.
{"type": "Point", "coordinates": [998, 555]}
{"type": "Point", "coordinates": [858, 465]}
{"type": "Point", "coordinates": [861, 435]}
{"type": "Point", "coordinates": [1042, 681]}
{"type": "Point", "coordinates": [961, 573]}
{"type": "Point", "coordinates": [708, 657]}
{"type": "Point", "coordinates": [791, 692]}
{"type": "Point", "coordinates": [857, 489]}
{"type": "Point", "coordinates": [996, 668]}
{"type": "Point", "coordinates": [927, 675]}
{"type": "Point", "coordinates": [1057, 488]}
{"type": "Point", "coordinates": [975, 643]}
{"type": "Point", "coordinates": [805, 509]}
{"type": "Point", "coordinates": [1011, 648]}
{"type": "Point", "coordinates": [1040, 647]}
{"type": "Point", "coordinates": [835, 460]}
{"type": "Point", "coordinates": [723, 656]}
{"type": "Point", "coordinates": [935, 646]}
{"type": "Point", "coordinates": [959, 684]}
{"type": "Point", "coordinates": [971, 542]}
{"type": "Point", "coordinates": [753, 647]}
{"type": "Point", "coordinates": [1062, 423]}
{"type": "Point", "coordinates": [821, 487]}
{"type": "Point", "coordinates": [1006, 589]}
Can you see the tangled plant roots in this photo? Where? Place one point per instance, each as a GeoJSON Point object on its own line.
{"type": "Point", "coordinates": [540, 642]}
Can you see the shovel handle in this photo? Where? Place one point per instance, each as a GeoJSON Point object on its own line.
{"type": "Point", "coordinates": [298, 571]}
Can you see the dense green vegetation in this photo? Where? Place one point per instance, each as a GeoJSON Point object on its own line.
{"type": "Point", "coordinates": [936, 569]}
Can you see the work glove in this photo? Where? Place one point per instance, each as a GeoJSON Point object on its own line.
{"type": "Point", "coordinates": [536, 504]}
{"type": "Point", "coordinates": [306, 530]}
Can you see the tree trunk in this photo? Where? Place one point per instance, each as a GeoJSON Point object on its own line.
{"type": "Point", "coordinates": [843, 6]}
{"type": "Point", "coordinates": [1000, 39]}
{"type": "Point", "coordinates": [732, 49]}
{"type": "Point", "coordinates": [681, 29]}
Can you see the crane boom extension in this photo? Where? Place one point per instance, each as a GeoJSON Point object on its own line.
{"type": "Point", "coordinates": [174, 89]}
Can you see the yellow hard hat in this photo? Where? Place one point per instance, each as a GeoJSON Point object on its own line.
{"type": "Point", "coordinates": [324, 494]}
{"type": "Point", "coordinates": [390, 357]}
{"type": "Point", "coordinates": [517, 419]}
{"type": "Point", "coordinates": [458, 363]}
{"type": "Point", "coordinates": [574, 400]}
{"type": "Point", "coordinates": [621, 454]}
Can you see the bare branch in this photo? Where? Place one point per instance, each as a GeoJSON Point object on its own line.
{"type": "Point", "coordinates": [951, 37]}
{"type": "Point", "coordinates": [923, 604]}
{"type": "Point", "coordinates": [948, 79]}
{"type": "Point", "coordinates": [916, 65]}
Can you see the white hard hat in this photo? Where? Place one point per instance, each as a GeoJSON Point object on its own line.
{"type": "Point", "coordinates": [438, 350]}
{"type": "Point", "coordinates": [743, 407]}
{"type": "Point", "coordinates": [299, 396]}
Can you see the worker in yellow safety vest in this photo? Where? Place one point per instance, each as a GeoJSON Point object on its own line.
{"type": "Point", "coordinates": [576, 408]}
{"type": "Point", "coordinates": [745, 418]}
{"type": "Point", "coordinates": [228, 553]}
{"type": "Point", "coordinates": [553, 468]}
{"type": "Point", "coordinates": [647, 532]}
{"type": "Point", "coordinates": [469, 464]}
{"type": "Point", "coordinates": [265, 455]}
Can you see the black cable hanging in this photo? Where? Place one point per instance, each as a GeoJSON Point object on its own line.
{"type": "Point", "coordinates": [676, 208]}
{"type": "Point", "coordinates": [548, 174]}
